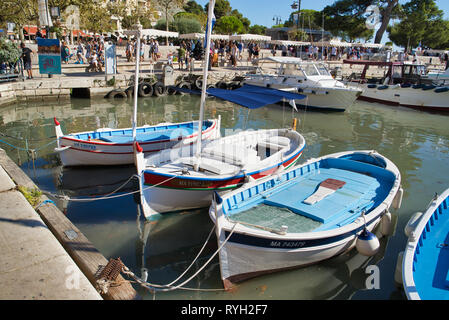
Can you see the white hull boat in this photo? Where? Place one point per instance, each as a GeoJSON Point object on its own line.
{"type": "Point", "coordinates": [425, 267]}
{"type": "Point", "coordinates": [115, 146]}
{"type": "Point", "coordinates": [178, 179]}
{"type": "Point", "coordinates": [311, 79]}
{"type": "Point", "coordinates": [295, 220]}
{"type": "Point", "coordinates": [403, 84]}
{"type": "Point", "coordinates": [422, 97]}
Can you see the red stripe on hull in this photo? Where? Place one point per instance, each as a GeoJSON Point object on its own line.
{"type": "Point", "coordinates": [180, 183]}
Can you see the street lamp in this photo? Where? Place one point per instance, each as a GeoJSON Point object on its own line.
{"type": "Point", "coordinates": [296, 5]}
{"type": "Point", "coordinates": [277, 20]}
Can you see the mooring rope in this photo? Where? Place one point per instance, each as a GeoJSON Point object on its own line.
{"type": "Point", "coordinates": [169, 287]}
{"type": "Point", "coordinates": [109, 195]}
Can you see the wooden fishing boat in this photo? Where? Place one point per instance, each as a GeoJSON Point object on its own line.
{"type": "Point", "coordinates": [403, 84]}
{"type": "Point", "coordinates": [307, 214]}
{"type": "Point", "coordinates": [179, 179]}
{"type": "Point", "coordinates": [425, 267]}
{"type": "Point", "coordinates": [107, 146]}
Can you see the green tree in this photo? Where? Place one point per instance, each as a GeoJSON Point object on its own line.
{"type": "Point", "coordinates": [347, 18]}
{"type": "Point", "coordinates": [257, 29]}
{"type": "Point", "coordinates": [187, 25]}
{"type": "Point", "coordinates": [222, 8]}
{"type": "Point", "coordinates": [193, 7]}
{"type": "Point", "coordinates": [421, 21]}
{"type": "Point", "coordinates": [229, 25]}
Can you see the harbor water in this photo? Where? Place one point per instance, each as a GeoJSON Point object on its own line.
{"type": "Point", "coordinates": [416, 141]}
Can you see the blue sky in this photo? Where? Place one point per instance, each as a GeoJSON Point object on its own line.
{"type": "Point", "coordinates": [262, 11]}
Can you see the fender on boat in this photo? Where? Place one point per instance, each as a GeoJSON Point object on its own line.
{"type": "Point", "coordinates": [412, 223]}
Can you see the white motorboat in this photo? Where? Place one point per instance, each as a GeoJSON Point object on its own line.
{"type": "Point", "coordinates": [309, 78]}
{"type": "Point", "coordinates": [307, 214]}
{"type": "Point", "coordinates": [403, 84]}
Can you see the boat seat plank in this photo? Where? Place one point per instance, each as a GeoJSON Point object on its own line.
{"type": "Point", "coordinates": [214, 166]}
{"type": "Point", "coordinates": [357, 193]}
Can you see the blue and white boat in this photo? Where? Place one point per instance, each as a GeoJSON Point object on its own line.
{"type": "Point", "coordinates": [107, 146]}
{"type": "Point", "coordinates": [425, 266]}
{"type": "Point", "coordinates": [294, 219]}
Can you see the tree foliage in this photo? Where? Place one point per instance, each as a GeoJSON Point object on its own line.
{"type": "Point", "coordinates": [229, 25]}
{"type": "Point", "coordinates": [421, 21]}
{"type": "Point", "coordinates": [347, 18]}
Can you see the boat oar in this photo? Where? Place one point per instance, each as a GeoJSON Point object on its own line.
{"type": "Point", "coordinates": [326, 188]}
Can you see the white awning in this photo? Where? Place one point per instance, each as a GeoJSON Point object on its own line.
{"type": "Point", "coordinates": [290, 43]}
{"type": "Point", "coordinates": [152, 33]}
{"type": "Point", "coordinates": [249, 37]}
{"type": "Point", "coordinates": [289, 60]}
{"type": "Point", "coordinates": [198, 35]}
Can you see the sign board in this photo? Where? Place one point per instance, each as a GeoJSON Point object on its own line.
{"type": "Point", "coordinates": [49, 52]}
{"type": "Point", "coordinates": [110, 58]}
{"type": "Point", "coordinates": [44, 14]}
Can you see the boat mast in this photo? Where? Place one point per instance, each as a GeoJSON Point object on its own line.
{"type": "Point", "coordinates": [205, 71]}
{"type": "Point", "coordinates": [136, 79]}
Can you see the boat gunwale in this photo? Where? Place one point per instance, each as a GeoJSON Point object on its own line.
{"type": "Point", "coordinates": [412, 242]}
{"type": "Point", "coordinates": [226, 225]}
{"type": "Point", "coordinates": [296, 153]}
{"type": "Point", "coordinates": [113, 144]}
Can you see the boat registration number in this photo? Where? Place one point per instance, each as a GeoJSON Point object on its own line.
{"type": "Point", "coordinates": [287, 244]}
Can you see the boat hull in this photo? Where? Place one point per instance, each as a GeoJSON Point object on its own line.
{"type": "Point", "coordinates": [326, 99]}
{"type": "Point", "coordinates": [240, 262]}
{"type": "Point", "coordinates": [75, 152]}
{"type": "Point", "coordinates": [164, 194]}
{"type": "Point", "coordinates": [425, 267]}
{"type": "Point", "coordinates": [252, 249]}
{"type": "Point", "coordinates": [407, 97]}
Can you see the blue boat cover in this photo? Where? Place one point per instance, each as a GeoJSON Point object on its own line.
{"type": "Point", "coordinates": [250, 96]}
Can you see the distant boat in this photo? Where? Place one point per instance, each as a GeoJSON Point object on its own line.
{"type": "Point", "coordinates": [107, 146]}
{"type": "Point", "coordinates": [425, 267]}
{"type": "Point", "coordinates": [307, 214]}
{"type": "Point", "coordinates": [404, 84]}
{"type": "Point", "coordinates": [311, 79]}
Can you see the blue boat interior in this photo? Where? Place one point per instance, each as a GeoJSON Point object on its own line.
{"type": "Point", "coordinates": [143, 134]}
{"type": "Point", "coordinates": [367, 184]}
{"type": "Point", "coordinates": [431, 258]}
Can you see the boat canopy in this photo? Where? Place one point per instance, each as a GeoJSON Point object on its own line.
{"type": "Point", "coordinates": [289, 60]}
{"type": "Point", "coordinates": [254, 97]}
{"type": "Point", "coordinates": [250, 96]}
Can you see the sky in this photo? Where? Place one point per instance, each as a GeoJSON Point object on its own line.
{"type": "Point", "coordinates": [263, 11]}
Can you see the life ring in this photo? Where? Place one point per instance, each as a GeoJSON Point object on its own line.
{"type": "Point", "coordinates": [183, 85]}
{"type": "Point", "coordinates": [159, 89]}
{"type": "Point", "coordinates": [130, 91]}
{"type": "Point", "coordinates": [117, 93]}
{"type": "Point", "coordinates": [145, 90]}
{"type": "Point", "coordinates": [417, 86]}
{"type": "Point", "coordinates": [442, 89]}
{"type": "Point", "coordinates": [372, 86]}
{"type": "Point", "coordinates": [199, 83]}
{"type": "Point", "coordinates": [406, 85]}
{"type": "Point", "coordinates": [429, 87]}
{"type": "Point", "coordinates": [171, 90]}
{"type": "Point", "coordinates": [382, 87]}
{"type": "Point", "coordinates": [222, 85]}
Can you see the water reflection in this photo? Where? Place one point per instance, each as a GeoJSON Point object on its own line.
{"type": "Point", "coordinates": [417, 142]}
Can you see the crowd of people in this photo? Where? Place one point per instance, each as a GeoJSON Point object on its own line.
{"type": "Point", "coordinates": [312, 52]}
{"type": "Point", "coordinates": [153, 50]}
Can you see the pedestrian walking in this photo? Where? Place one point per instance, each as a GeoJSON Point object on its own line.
{"type": "Point", "coordinates": [26, 58]}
